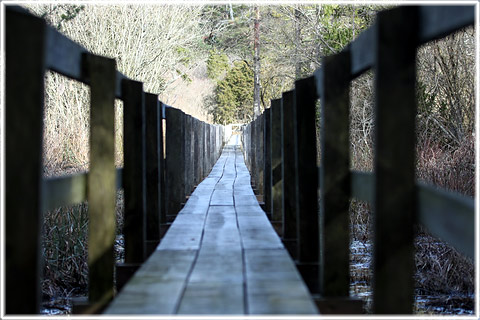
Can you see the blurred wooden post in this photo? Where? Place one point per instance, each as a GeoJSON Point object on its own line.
{"type": "Point", "coordinates": [305, 98]}
{"type": "Point", "coordinates": [188, 156]}
{"type": "Point", "coordinates": [267, 179]}
{"type": "Point", "coordinates": [212, 146]}
{"type": "Point", "coordinates": [335, 188]}
{"type": "Point", "coordinates": [259, 154]}
{"type": "Point", "coordinates": [134, 180]}
{"type": "Point", "coordinates": [153, 119]}
{"type": "Point", "coordinates": [335, 171]}
{"type": "Point", "coordinates": [208, 149]}
{"type": "Point", "coordinates": [175, 159]}
{"type": "Point", "coordinates": [24, 98]}
{"type": "Point", "coordinates": [289, 195]}
{"type": "Point", "coordinates": [276, 147]}
{"type": "Point", "coordinates": [101, 185]}
{"type": "Point", "coordinates": [205, 150]}
{"type": "Point", "coordinates": [395, 201]}
{"type": "Point", "coordinates": [201, 147]}
{"type": "Point", "coordinates": [196, 152]}
{"type": "Point", "coordinates": [162, 172]}
{"type": "Point", "coordinates": [251, 153]}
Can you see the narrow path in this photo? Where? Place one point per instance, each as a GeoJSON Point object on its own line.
{"type": "Point", "coordinates": [220, 256]}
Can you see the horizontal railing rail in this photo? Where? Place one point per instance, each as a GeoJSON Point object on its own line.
{"type": "Point", "coordinates": [280, 151]}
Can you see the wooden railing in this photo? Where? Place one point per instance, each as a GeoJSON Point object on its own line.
{"type": "Point", "coordinates": [280, 148]}
{"type": "Point", "coordinates": [155, 182]}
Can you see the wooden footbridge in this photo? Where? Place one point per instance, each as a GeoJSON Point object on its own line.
{"type": "Point", "coordinates": [204, 234]}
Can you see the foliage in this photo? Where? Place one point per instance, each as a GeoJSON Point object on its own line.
{"type": "Point", "coordinates": [234, 95]}
{"type": "Point", "coordinates": [217, 64]}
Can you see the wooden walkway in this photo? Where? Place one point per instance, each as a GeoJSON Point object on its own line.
{"type": "Point", "coordinates": [220, 256]}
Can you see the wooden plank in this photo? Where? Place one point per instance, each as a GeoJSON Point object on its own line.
{"type": "Point", "coordinates": [101, 188]}
{"type": "Point", "coordinates": [64, 191]}
{"type": "Point", "coordinates": [439, 21]}
{"type": "Point", "coordinates": [443, 212]}
{"type": "Point", "coordinates": [213, 298]}
{"type": "Point", "coordinates": [175, 159]}
{"type": "Point", "coordinates": [69, 190]}
{"type": "Point", "coordinates": [395, 209]}
{"type": "Point", "coordinates": [216, 282]}
{"type": "Point", "coordinates": [152, 123]}
{"type": "Point", "coordinates": [158, 285]}
{"type": "Point", "coordinates": [267, 178]}
{"type": "Point", "coordinates": [335, 181]}
{"type": "Point", "coordinates": [276, 160]}
{"type": "Point", "coordinates": [362, 56]}
{"type": "Point", "coordinates": [289, 194]}
{"type": "Point", "coordinates": [448, 215]}
{"type": "Point", "coordinates": [199, 266]}
{"type": "Point", "coordinates": [185, 233]}
{"type": "Point", "coordinates": [134, 171]}
{"type": "Point", "coordinates": [363, 185]}
{"type": "Point", "coordinates": [222, 198]}
{"type": "Point", "coordinates": [24, 93]}
{"type": "Point", "coordinates": [274, 285]}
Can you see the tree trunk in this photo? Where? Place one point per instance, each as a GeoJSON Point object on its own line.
{"type": "Point", "coordinates": [256, 64]}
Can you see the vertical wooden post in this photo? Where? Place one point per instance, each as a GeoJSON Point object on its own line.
{"type": "Point", "coordinates": [162, 172]}
{"type": "Point", "coordinates": [213, 132]}
{"type": "Point", "coordinates": [205, 150]}
{"type": "Point", "coordinates": [276, 146]}
{"type": "Point", "coordinates": [289, 195]}
{"type": "Point", "coordinates": [24, 92]}
{"type": "Point", "coordinates": [175, 160]}
{"type": "Point", "coordinates": [196, 152]}
{"type": "Point", "coordinates": [307, 182]}
{"type": "Point", "coordinates": [208, 149]}
{"type": "Point", "coordinates": [267, 178]}
{"type": "Point", "coordinates": [101, 190]}
{"type": "Point", "coordinates": [134, 183]}
{"type": "Point", "coordinates": [188, 155]}
{"type": "Point", "coordinates": [335, 170]}
{"type": "Point", "coordinates": [201, 147]}
{"type": "Point", "coordinates": [251, 148]}
{"type": "Point", "coordinates": [153, 119]}
{"type": "Point", "coordinates": [259, 153]}
{"type": "Point", "coordinates": [395, 207]}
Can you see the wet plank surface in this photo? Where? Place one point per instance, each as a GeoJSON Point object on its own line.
{"type": "Point", "coordinates": [220, 256]}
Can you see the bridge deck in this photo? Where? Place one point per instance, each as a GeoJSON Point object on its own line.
{"type": "Point", "coordinates": [220, 256]}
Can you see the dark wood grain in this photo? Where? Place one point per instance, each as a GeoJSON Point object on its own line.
{"type": "Point", "coordinates": [335, 181]}
{"type": "Point", "coordinates": [289, 156]}
{"type": "Point", "coordinates": [152, 123]}
{"type": "Point", "coordinates": [101, 187]}
{"type": "Point", "coordinates": [24, 103]}
{"type": "Point", "coordinates": [394, 162]}
{"type": "Point", "coordinates": [134, 172]}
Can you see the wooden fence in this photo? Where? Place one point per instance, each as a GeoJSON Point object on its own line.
{"type": "Point", "coordinates": [280, 148]}
{"type": "Point", "coordinates": [155, 180]}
